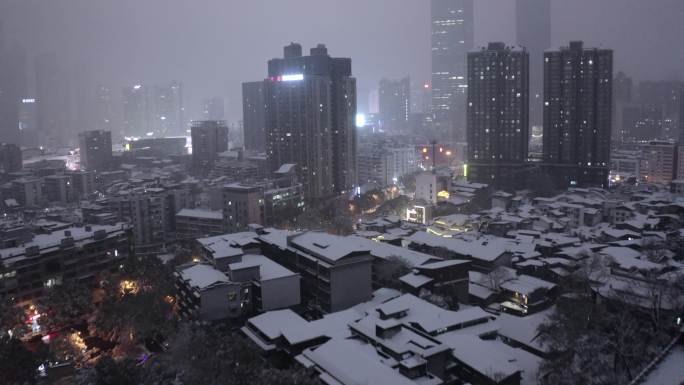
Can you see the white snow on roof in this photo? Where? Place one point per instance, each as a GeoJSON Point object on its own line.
{"type": "Point", "coordinates": [201, 276]}
{"type": "Point", "coordinates": [349, 363]}
{"type": "Point", "coordinates": [443, 264]}
{"type": "Point", "coordinates": [53, 240]}
{"type": "Point", "coordinates": [628, 258]}
{"type": "Point", "coordinates": [486, 357]}
{"type": "Point", "coordinates": [385, 250]}
{"type": "Point", "coordinates": [228, 245]}
{"type": "Point", "coordinates": [268, 269]}
{"type": "Point", "coordinates": [415, 280]}
{"type": "Point", "coordinates": [479, 291]}
{"type": "Point", "coordinates": [429, 317]}
{"type": "Point", "coordinates": [523, 329]}
{"type": "Point", "coordinates": [201, 213]}
{"type": "Point", "coordinates": [296, 329]}
{"type": "Point", "coordinates": [327, 246]}
{"type": "Point", "coordinates": [286, 168]}
{"type": "Point", "coordinates": [272, 323]}
{"type": "Point", "coordinates": [482, 250]}
{"type": "Point", "coordinates": [525, 284]}
{"type": "Point", "coordinates": [276, 237]}
{"type": "Point", "coordinates": [670, 370]}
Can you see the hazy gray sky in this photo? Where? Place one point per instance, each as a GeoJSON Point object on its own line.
{"type": "Point", "coordinates": [214, 45]}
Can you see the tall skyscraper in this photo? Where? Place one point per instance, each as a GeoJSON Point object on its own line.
{"type": "Point", "coordinates": [498, 115]}
{"type": "Point", "coordinates": [622, 98]}
{"type": "Point", "coordinates": [577, 114]}
{"type": "Point", "coordinates": [213, 108]}
{"type": "Point", "coordinates": [310, 119]}
{"type": "Point", "coordinates": [209, 138]}
{"type": "Point", "coordinates": [395, 104]}
{"type": "Point", "coordinates": [28, 122]}
{"type": "Point", "coordinates": [452, 39]}
{"type": "Point", "coordinates": [95, 150]}
{"type": "Point", "coordinates": [10, 158]}
{"type": "Point", "coordinates": [169, 112]}
{"type": "Point", "coordinates": [137, 120]}
{"type": "Point", "coordinates": [12, 89]}
{"type": "Point", "coordinates": [104, 108]}
{"type": "Point", "coordinates": [681, 118]}
{"type": "Point", "coordinates": [533, 26]}
{"type": "Point", "coordinates": [662, 96]}
{"type": "Point", "coordinates": [52, 100]}
{"type": "Point", "coordinates": [254, 116]}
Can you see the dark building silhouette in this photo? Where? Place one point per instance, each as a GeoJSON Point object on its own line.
{"type": "Point", "coordinates": [533, 26]}
{"type": "Point", "coordinates": [52, 100]}
{"type": "Point", "coordinates": [254, 116]}
{"type": "Point", "coordinates": [622, 98]}
{"type": "Point", "coordinates": [104, 108]}
{"type": "Point", "coordinates": [452, 39]}
{"type": "Point", "coordinates": [642, 123]}
{"type": "Point", "coordinates": [209, 138]}
{"type": "Point", "coordinates": [213, 109]}
{"type": "Point", "coordinates": [13, 88]}
{"type": "Point", "coordinates": [498, 115]}
{"type": "Point", "coordinates": [137, 118]}
{"type": "Point", "coordinates": [95, 150]}
{"type": "Point", "coordinates": [395, 104]}
{"type": "Point", "coordinates": [577, 114]}
{"type": "Point", "coordinates": [10, 158]}
{"type": "Point", "coordinates": [310, 119]}
{"type": "Point", "coordinates": [664, 97]}
{"type": "Point", "coordinates": [169, 111]}
{"type": "Point", "coordinates": [681, 117]}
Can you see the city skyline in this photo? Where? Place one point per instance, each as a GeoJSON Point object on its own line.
{"type": "Point", "coordinates": [151, 60]}
{"type": "Point", "coordinates": [341, 192]}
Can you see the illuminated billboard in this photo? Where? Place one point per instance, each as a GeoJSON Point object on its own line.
{"type": "Point", "coordinates": [288, 78]}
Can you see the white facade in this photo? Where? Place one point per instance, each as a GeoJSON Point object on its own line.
{"type": "Point", "coordinates": [426, 187]}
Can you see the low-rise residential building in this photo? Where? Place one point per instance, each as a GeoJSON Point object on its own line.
{"type": "Point", "coordinates": [73, 254]}
{"type": "Point", "coordinates": [485, 254]}
{"type": "Point", "coordinates": [397, 339]}
{"type": "Point", "coordinates": [197, 223]}
{"type": "Point", "coordinates": [252, 283]}
{"type": "Point", "coordinates": [242, 205]}
{"type": "Point", "coordinates": [336, 273]}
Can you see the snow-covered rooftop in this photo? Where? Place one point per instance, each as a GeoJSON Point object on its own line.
{"type": "Point", "coordinates": [201, 276]}
{"type": "Point", "coordinates": [201, 213]}
{"type": "Point", "coordinates": [268, 269]}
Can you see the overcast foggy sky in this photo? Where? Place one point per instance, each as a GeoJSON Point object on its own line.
{"type": "Point", "coordinates": [214, 45]}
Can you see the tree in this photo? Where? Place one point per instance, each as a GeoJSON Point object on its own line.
{"type": "Point", "coordinates": [597, 342]}
{"type": "Point", "coordinates": [137, 302]}
{"type": "Point", "coordinates": [213, 356]}
{"type": "Point", "coordinates": [495, 278]}
{"type": "Point", "coordinates": [390, 270]}
{"type": "Point", "coordinates": [63, 305]}
{"type": "Point", "coordinates": [112, 372]}
{"type": "Point", "coordinates": [11, 317]}
{"type": "Point", "coordinates": [396, 206]}
{"type": "Point", "coordinates": [17, 364]}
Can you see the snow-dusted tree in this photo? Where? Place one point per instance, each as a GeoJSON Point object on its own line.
{"type": "Point", "coordinates": [213, 356]}
{"type": "Point", "coordinates": [17, 364]}
{"type": "Point", "coordinates": [497, 277]}
{"type": "Point", "coordinates": [11, 317]}
{"type": "Point", "coordinates": [390, 270]}
{"type": "Point", "coordinates": [64, 305]}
